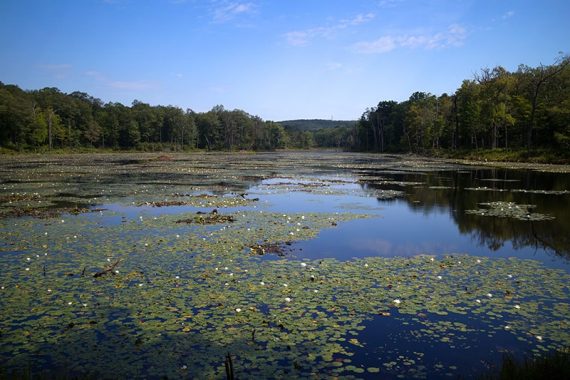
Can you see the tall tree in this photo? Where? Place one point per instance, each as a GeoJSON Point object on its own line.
{"type": "Point", "coordinates": [537, 78]}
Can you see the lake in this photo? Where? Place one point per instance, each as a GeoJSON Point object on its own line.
{"type": "Point", "coordinates": [279, 265]}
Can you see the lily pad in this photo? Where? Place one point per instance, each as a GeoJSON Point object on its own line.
{"type": "Point", "coordinates": [509, 210]}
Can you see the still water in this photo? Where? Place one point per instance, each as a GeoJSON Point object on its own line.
{"type": "Point", "coordinates": [430, 219]}
{"type": "Point", "coordinates": [293, 264]}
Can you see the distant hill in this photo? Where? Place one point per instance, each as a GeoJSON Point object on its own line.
{"type": "Point", "coordinates": [315, 124]}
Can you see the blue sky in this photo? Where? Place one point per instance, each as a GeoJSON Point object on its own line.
{"type": "Point", "coordinates": [279, 59]}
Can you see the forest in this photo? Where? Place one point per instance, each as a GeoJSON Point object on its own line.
{"type": "Point", "coordinates": [524, 110]}
{"type": "Point", "coordinates": [50, 119]}
{"type": "Point", "coordinates": [316, 124]}
{"type": "Point", "coordinates": [497, 109]}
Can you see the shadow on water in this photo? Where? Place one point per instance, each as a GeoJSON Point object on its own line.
{"type": "Point", "coordinates": [428, 216]}
{"type": "Point", "coordinates": [113, 343]}
{"type": "Point", "coordinates": [436, 354]}
{"type": "Point", "coordinates": [455, 192]}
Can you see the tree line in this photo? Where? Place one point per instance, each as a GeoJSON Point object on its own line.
{"type": "Point", "coordinates": [49, 118]}
{"type": "Point", "coordinates": [525, 109]}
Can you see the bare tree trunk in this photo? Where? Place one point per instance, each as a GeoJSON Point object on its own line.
{"type": "Point", "coordinates": [207, 142]}
{"type": "Point", "coordinates": [544, 75]}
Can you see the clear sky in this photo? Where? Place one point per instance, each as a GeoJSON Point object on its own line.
{"type": "Point", "coordinates": [279, 59]}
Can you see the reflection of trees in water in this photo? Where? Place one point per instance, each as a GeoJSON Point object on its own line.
{"type": "Point", "coordinates": [449, 193]}
{"type": "Point", "coordinates": [494, 232]}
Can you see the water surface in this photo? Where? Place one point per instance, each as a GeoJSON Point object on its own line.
{"type": "Point", "coordinates": [296, 264]}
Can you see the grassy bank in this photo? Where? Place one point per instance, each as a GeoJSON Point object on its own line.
{"type": "Point", "coordinates": [537, 156]}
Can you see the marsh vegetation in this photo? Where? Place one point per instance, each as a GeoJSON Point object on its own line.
{"type": "Point", "coordinates": [290, 264]}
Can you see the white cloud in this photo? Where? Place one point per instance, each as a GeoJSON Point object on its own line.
{"type": "Point", "coordinates": [508, 14]}
{"type": "Point", "coordinates": [454, 36]}
{"type": "Point", "coordinates": [357, 20]}
{"type": "Point", "coordinates": [303, 37]}
{"type": "Point", "coordinates": [381, 45]}
{"type": "Point", "coordinates": [226, 11]}
{"type": "Point", "coordinates": [389, 3]}
{"type": "Point", "coordinates": [298, 38]}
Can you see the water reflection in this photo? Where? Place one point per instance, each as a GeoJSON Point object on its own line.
{"type": "Point", "coordinates": [454, 192]}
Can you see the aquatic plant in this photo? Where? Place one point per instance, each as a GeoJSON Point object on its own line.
{"type": "Point", "coordinates": [509, 210]}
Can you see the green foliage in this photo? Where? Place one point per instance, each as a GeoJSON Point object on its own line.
{"type": "Point", "coordinates": [38, 130]}
{"type": "Point", "coordinates": [545, 155]}
{"type": "Point", "coordinates": [184, 294]}
{"type": "Point", "coordinates": [499, 109]}
{"type": "Point", "coordinates": [50, 119]}
{"type": "Point", "coordinates": [527, 109]}
{"type": "Point", "coordinates": [316, 124]}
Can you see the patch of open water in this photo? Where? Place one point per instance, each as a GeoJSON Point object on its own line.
{"type": "Point", "coordinates": [199, 277]}
{"type": "Point", "coordinates": [431, 225]}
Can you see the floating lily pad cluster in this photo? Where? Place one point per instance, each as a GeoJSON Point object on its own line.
{"type": "Point", "coordinates": [211, 218]}
{"type": "Point", "coordinates": [318, 185]}
{"type": "Point", "coordinates": [545, 192]}
{"type": "Point", "coordinates": [509, 210]}
{"type": "Point", "coordinates": [176, 298]}
{"type": "Point", "coordinates": [202, 200]}
{"type": "Point", "coordinates": [385, 182]}
{"type": "Point", "coordinates": [163, 286]}
{"type": "Point", "coordinates": [51, 183]}
{"type": "Point", "coordinates": [386, 194]}
{"type": "Point", "coordinates": [485, 188]}
{"type": "Point", "coordinates": [525, 191]}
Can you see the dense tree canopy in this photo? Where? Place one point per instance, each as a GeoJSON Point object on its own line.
{"type": "Point", "coordinates": [52, 119]}
{"type": "Point", "coordinates": [528, 108]}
